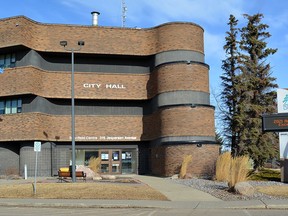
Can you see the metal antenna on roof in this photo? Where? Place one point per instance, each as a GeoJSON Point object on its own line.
{"type": "Point", "coordinates": [124, 10]}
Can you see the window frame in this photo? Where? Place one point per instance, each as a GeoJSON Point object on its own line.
{"type": "Point", "coordinates": [10, 106]}
{"type": "Point", "coordinates": [7, 60]}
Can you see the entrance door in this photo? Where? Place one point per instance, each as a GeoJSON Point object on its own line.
{"type": "Point", "coordinates": [110, 161]}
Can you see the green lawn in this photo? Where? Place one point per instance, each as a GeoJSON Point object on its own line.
{"type": "Point", "coordinates": [265, 175]}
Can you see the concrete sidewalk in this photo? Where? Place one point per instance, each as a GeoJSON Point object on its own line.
{"type": "Point", "coordinates": [176, 192]}
{"type": "Point", "coordinates": [180, 196]}
{"type": "Point", "coordinates": [88, 203]}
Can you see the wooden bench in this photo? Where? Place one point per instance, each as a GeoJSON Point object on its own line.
{"type": "Point", "coordinates": [64, 175]}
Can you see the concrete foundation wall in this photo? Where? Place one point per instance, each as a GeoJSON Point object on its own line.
{"type": "Point", "coordinates": [9, 155]}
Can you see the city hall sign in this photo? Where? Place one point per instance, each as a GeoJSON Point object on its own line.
{"type": "Point", "coordinates": [106, 86]}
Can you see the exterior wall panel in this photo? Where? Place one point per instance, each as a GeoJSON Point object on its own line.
{"type": "Point", "coordinates": [167, 160]}
{"type": "Point", "coordinates": [126, 86]}
{"type": "Point", "coordinates": [84, 63]}
{"type": "Point", "coordinates": [45, 162]}
{"type": "Point", "coordinates": [46, 37]}
{"type": "Point", "coordinates": [177, 77]}
{"type": "Point", "coordinates": [181, 97]}
{"type": "Point", "coordinates": [178, 55]}
{"type": "Point", "coordinates": [36, 126]}
{"type": "Point", "coordinates": [27, 80]}
{"type": "Point", "coordinates": [187, 122]}
{"type": "Point", "coordinates": [170, 122]}
{"type": "Point", "coordinates": [9, 155]}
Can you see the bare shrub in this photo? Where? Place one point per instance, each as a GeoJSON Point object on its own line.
{"type": "Point", "coordinates": [186, 160]}
{"type": "Point", "coordinates": [94, 164]}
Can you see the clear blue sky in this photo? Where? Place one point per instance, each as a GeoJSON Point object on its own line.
{"type": "Point", "coordinates": [212, 15]}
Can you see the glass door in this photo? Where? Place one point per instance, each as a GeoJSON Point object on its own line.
{"type": "Point", "coordinates": [115, 162]}
{"type": "Point", "coordinates": [127, 165]}
{"type": "Point", "coordinates": [104, 161]}
{"type": "Point", "coordinates": [110, 161]}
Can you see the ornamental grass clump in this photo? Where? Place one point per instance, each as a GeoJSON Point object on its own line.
{"type": "Point", "coordinates": [94, 164]}
{"type": "Point", "coordinates": [232, 170]}
{"type": "Point", "coordinates": [185, 163]}
{"type": "Point", "coordinates": [223, 165]}
{"type": "Point", "coordinates": [239, 171]}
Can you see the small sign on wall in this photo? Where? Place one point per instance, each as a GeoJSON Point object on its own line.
{"type": "Point", "coordinates": [37, 146]}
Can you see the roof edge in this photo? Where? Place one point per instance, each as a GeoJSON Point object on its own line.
{"type": "Point", "coordinates": [99, 26]}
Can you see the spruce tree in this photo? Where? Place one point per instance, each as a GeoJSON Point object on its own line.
{"type": "Point", "coordinates": [248, 90]}
{"type": "Point", "coordinates": [258, 94]}
{"type": "Point", "coordinates": [229, 82]}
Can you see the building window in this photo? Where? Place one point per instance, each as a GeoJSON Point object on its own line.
{"type": "Point", "coordinates": [2, 107]}
{"type": "Point", "coordinates": [10, 106]}
{"type": "Point", "coordinates": [7, 61]}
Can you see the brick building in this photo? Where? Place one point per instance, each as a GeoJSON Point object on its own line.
{"type": "Point", "coordinates": [141, 98]}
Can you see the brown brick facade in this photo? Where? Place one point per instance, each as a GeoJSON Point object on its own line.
{"type": "Point", "coordinates": [167, 160]}
{"type": "Point", "coordinates": [179, 114]}
{"type": "Point", "coordinates": [105, 40]}
{"type": "Point", "coordinates": [170, 122]}
{"type": "Point", "coordinates": [31, 80]}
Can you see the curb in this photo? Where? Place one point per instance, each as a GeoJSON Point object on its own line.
{"type": "Point", "coordinates": [47, 203]}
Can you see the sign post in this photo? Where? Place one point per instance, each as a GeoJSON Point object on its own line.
{"type": "Point", "coordinates": [279, 123]}
{"type": "Point", "coordinates": [282, 104]}
{"type": "Point", "coordinates": [37, 148]}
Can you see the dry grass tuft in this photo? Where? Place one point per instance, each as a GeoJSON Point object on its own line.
{"type": "Point", "coordinates": [238, 171]}
{"type": "Point", "coordinates": [232, 170]}
{"type": "Point", "coordinates": [94, 164]}
{"type": "Point", "coordinates": [81, 191]}
{"type": "Point", "coordinates": [223, 166]}
{"type": "Point", "coordinates": [186, 160]}
{"type": "Point", "coordinates": [276, 190]}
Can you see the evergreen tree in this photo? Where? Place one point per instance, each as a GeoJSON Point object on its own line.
{"type": "Point", "coordinates": [257, 92]}
{"type": "Point", "coordinates": [248, 90]}
{"type": "Point", "coordinates": [229, 82]}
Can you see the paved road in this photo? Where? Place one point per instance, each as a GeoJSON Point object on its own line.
{"type": "Point", "coordinates": [25, 211]}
